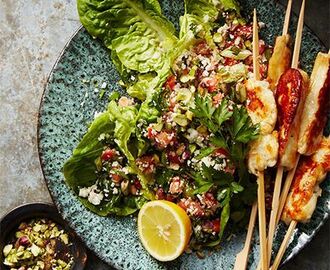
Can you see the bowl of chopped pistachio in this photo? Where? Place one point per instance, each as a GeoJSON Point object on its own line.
{"type": "Point", "coordinates": [35, 237]}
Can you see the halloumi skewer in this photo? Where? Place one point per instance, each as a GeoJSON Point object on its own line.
{"type": "Point", "coordinates": [281, 57]}
{"type": "Point", "coordinates": [291, 92]}
{"type": "Point", "coordinates": [314, 116]}
{"type": "Point", "coordinates": [261, 107]}
{"type": "Point", "coordinates": [305, 190]}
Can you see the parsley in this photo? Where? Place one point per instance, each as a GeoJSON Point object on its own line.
{"type": "Point", "coordinates": [232, 130]}
{"type": "Point", "coordinates": [242, 128]}
{"type": "Point", "coordinates": [208, 177]}
{"type": "Point", "coordinates": [210, 116]}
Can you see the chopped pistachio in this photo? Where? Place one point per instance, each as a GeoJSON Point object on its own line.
{"type": "Point", "coordinates": [64, 238]}
{"type": "Point", "coordinates": [7, 249]}
{"type": "Point", "coordinates": [35, 250]}
{"type": "Point", "coordinates": [37, 227]}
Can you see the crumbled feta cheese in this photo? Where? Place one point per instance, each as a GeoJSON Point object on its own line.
{"type": "Point", "coordinates": [115, 191]}
{"type": "Point", "coordinates": [83, 192]}
{"type": "Point", "coordinates": [208, 161]}
{"type": "Point", "coordinates": [125, 170]}
{"type": "Point", "coordinates": [104, 85]}
{"type": "Point", "coordinates": [192, 135]}
{"type": "Point", "coordinates": [96, 114]}
{"type": "Point", "coordinates": [94, 197]}
{"type": "Point", "coordinates": [101, 137]}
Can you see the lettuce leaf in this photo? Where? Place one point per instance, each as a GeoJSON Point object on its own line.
{"type": "Point", "coordinates": [230, 5]}
{"type": "Point", "coordinates": [136, 31]}
{"type": "Point", "coordinates": [125, 122]}
{"type": "Point", "coordinates": [79, 170]}
{"type": "Point", "coordinates": [206, 10]}
{"type": "Point", "coordinates": [118, 205]}
{"type": "Point", "coordinates": [201, 16]}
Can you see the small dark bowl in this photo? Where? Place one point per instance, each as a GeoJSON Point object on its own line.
{"type": "Point", "coordinates": [10, 222]}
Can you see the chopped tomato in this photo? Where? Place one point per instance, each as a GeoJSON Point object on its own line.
{"type": "Point", "coordinates": [192, 207]}
{"type": "Point", "coordinates": [209, 200]}
{"type": "Point", "coordinates": [202, 48]}
{"type": "Point", "coordinates": [216, 225]}
{"type": "Point", "coordinates": [137, 184]}
{"type": "Point", "coordinates": [244, 30]}
{"type": "Point", "coordinates": [108, 154]}
{"type": "Point", "coordinates": [217, 99]}
{"type": "Point", "coordinates": [221, 152]}
{"type": "Point", "coordinates": [173, 157]}
{"type": "Point", "coordinates": [185, 71]}
{"type": "Point", "coordinates": [230, 61]}
{"type": "Point", "coordinates": [160, 194]}
{"type": "Point", "coordinates": [176, 185]}
{"type": "Point", "coordinates": [170, 198]}
{"type": "Point", "coordinates": [151, 132]}
{"type": "Point", "coordinates": [170, 82]}
{"type": "Point", "coordinates": [211, 84]}
{"type": "Point", "coordinates": [164, 139]}
{"type": "Point", "coordinates": [147, 164]}
{"type": "Point", "coordinates": [116, 178]}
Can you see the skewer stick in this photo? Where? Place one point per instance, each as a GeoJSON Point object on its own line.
{"type": "Point", "coordinates": [279, 174]}
{"type": "Point", "coordinates": [256, 70]}
{"type": "Point", "coordinates": [284, 245]}
{"type": "Point", "coordinates": [262, 222]}
{"type": "Point", "coordinates": [242, 256]}
{"type": "Point", "coordinates": [287, 18]}
{"type": "Point", "coordinates": [297, 43]}
{"type": "Point", "coordinates": [276, 206]}
{"type": "Point", "coordinates": [261, 184]}
{"type": "Point", "coordinates": [285, 191]}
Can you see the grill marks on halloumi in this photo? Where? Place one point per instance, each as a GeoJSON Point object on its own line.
{"type": "Point", "coordinates": [305, 190]}
{"type": "Point", "coordinates": [317, 105]}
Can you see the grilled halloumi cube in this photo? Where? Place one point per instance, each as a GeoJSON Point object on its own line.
{"type": "Point", "coordinates": [317, 105]}
{"type": "Point", "coordinates": [280, 60]}
{"type": "Point", "coordinates": [305, 190]}
{"type": "Point", "coordinates": [261, 105]}
{"type": "Point", "coordinates": [290, 96]}
{"type": "Point", "coordinates": [263, 153]}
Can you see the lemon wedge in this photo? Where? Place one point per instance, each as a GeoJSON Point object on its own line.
{"type": "Point", "coordinates": [164, 229]}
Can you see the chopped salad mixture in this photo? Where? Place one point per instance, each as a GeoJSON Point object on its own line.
{"type": "Point", "coordinates": [182, 132]}
{"type": "Point", "coordinates": [39, 244]}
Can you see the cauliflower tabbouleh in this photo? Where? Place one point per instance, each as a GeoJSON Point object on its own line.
{"type": "Point", "coordinates": [194, 151]}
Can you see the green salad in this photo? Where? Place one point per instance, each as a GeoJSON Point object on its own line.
{"type": "Point", "coordinates": [182, 131]}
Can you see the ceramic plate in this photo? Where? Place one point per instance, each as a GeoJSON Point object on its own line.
{"type": "Point", "coordinates": [68, 106]}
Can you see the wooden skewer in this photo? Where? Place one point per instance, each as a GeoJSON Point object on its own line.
{"type": "Point", "coordinates": [275, 214]}
{"type": "Point", "coordinates": [279, 173]}
{"type": "Point", "coordinates": [261, 182]}
{"type": "Point", "coordinates": [275, 206]}
{"type": "Point", "coordinates": [284, 245]}
{"type": "Point", "coordinates": [255, 47]}
{"type": "Point", "coordinates": [287, 18]}
{"type": "Point", "coordinates": [297, 43]}
{"type": "Point", "coordinates": [285, 191]}
{"type": "Point", "coordinates": [262, 222]}
{"type": "Point", "coordinates": [242, 256]}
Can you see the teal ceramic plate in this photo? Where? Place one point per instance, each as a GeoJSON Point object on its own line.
{"type": "Point", "coordinates": [68, 105]}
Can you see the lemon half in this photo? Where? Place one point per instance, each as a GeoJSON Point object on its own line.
{"type": "Point", "coordinates": [164, 229]}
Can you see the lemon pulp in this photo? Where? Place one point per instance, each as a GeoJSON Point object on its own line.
{"type": "Point", "coordinates": [164, 229]}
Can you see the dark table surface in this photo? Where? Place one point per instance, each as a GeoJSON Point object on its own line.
{"type": "Point", "coordinates": [316, 255]}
